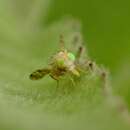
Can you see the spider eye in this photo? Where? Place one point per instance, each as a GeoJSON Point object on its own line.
{"type": "Point", "coordinates": [71, 56]}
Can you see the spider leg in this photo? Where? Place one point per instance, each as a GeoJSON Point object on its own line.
{"type": "Point", "coordinates": [79, 52]}
{"type": "Point", "coordinates": [40, 73]}
{"type": "Point", "coordinates": [72, 80]}
{"type": "Point", "coordinates": [78, 47]}
{"type": "Point", "coordinates": [56, 78]}
{"type": "Point", "coordinates": [62, 44]}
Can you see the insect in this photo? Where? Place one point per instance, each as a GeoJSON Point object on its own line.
{"type": "Point", "coordinates": [62, 63]}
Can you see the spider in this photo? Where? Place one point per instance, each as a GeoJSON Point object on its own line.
{"type": "Point", "coordinates": [62, 63]}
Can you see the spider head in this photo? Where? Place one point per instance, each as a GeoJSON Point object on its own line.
{"type": "Point", "coordinates": [64, 59]}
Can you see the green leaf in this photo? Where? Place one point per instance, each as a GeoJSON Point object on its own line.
{"type": "Point", "coordinates": [26, 104]}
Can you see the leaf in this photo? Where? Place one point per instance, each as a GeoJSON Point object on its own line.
{"type": "Point", "coordinates": [41, 105]}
